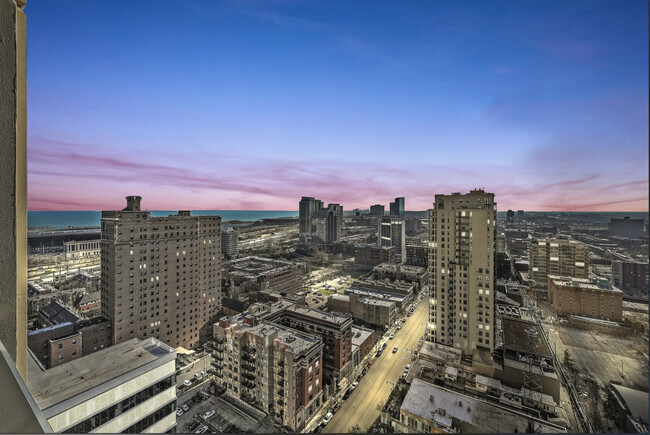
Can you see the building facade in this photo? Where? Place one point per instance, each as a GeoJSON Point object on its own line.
{"type": "Point", "coordinates": [626, 227]}
{"type": "Point", "coordinates": [161, 276]}
{"type": "Point", "coordinates": [377, 210]}
{"type": "Point", "coordinates": [334, 330]}
{"type": "Point", "coordinates": [397, 208]}
{"type": "Point", "coordinates": [229, 242]}
{"type": "Point", "coordinates": [273, 367]}
{"type": "Point", "coordinates": [461, 264]}
{"type": "Point", "coordinates": [391, 232]}
{"type": "Point", "coordinates": [629, 275]}
{"type": "Point", "coordinates": [557, 257]}
{"type": "Point", "coordinates": [255, 274]}
{"type": "Point", "coordinates": [372, 255]}
{"type": "Point", "coordinates": [584, 297]}
{"type": "Point", "coordinates": [306, 209]}
{"type": "Point", "coordinates": [129, 388]}
{"type": "Point", "coordinates": [77, 250]}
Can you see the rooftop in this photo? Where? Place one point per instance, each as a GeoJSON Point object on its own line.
{"type": "Point", "coordinates": [339, 319]}
{"type": "Point", "coordinates": [63, 382]}
{"type": "Point", "coordinates": [443, 406]}
{"type": "Point", "coordinates": [636, 401]}
{"type": "Point", "coordinates": [359, 335]}
{"type": "Point", "coordinates": [376, 294]}
{"type": "Point", "coordinates": [515, 337]}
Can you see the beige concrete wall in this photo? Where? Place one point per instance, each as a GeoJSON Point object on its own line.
{"type": "Point", "coordinates": [163, 425]}
{"type": "Point", "coordinates": [13, 179]}
{"type": "Point", "coordinates": [132, 416]}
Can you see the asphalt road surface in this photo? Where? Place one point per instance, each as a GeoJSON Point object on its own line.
{"type": "Point", "coordinates": [361, 408]}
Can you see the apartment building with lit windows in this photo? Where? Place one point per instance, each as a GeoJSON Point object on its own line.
{"type": "Point", "coordinates": [462, 243]}
{"type": "Point", "coordinates": [559, 257]}
{"type": "Point", "coordinates": [273, 367]}
{"type": "Point", "coordinates": [160, 276]}
{"type": "Point", "coordinates": [584, 297]}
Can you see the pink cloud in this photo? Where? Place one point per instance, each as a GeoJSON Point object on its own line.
{"type": "Point", "coordinates": [66, 176]}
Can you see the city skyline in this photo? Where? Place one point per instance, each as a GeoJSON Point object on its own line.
{"type": "Point", "coordinates": [251, 105]}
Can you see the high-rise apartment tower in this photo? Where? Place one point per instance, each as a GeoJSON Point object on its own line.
{"type": "Point", "coordinates": [160, 276]}
{"type": "Point", "coordinates": [462, 242]}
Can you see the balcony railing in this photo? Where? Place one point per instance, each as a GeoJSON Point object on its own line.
{"type": "Point", "coordinates": [248, 367]}
{"type": "Point", "coordinates": [248, 357]}
{"type": "Point", "coordinates": [281, 383]}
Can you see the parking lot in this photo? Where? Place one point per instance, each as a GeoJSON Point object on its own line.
{"type": "Point", "coordinates": [220, 414]}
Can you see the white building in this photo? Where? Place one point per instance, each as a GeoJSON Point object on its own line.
{"type": "Point", "coordinates": [126, 388]}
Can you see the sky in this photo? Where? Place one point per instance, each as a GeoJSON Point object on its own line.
{"type": "Point", "coordinates": [249, 105]}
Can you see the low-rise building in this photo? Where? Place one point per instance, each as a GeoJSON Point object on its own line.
{"type": "Point", "coordinates": [416, 275]}
{"type": "Point", "coordinates": [363, 340]}
{"type": "Point", "coordinates": [369, 310]}
{"type": "Point", "coordinates": [253, 274]}
{"type": "Point", "coordinates": [372, 255]}
{"type": "Point", "coordinates": [129, 388]}
{"type": "Point", "coordinates": [77, 250]}
{"type": "Point", "coordinates": [429, 408]}
{"type": "Point", "coordinates": [585, 297]}
{"type": "Point", "coordinates": [57, 344]}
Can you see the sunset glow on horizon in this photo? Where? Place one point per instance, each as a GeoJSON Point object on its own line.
{"type": "Point", "coordinates": [250, 105]}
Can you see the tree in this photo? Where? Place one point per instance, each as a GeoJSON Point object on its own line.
{"type": "Point", "coordinates": [355, 429]}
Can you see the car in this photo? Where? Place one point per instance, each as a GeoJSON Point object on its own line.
{"type": "Point", "coordinates": [327, 418]}
{"type": "Point", "coordinates": [209, 414]}
{"type": "Point", "coordinates": [408, 367]}
{"type": "Point", "coordinates": [347, 394]}
{"type": "Point", "coordinates": [392, 336]}
{"type": "Point", "coordinates": [399, 326]}
{"type": "Point", "coordinates": [369, 364]}
{"type": "Point", "coordinates": [395, 349]}
{"type": "Point", "coordinates": [354, 385]}
{"type": "Point", "coordinates": [379, 352]}
{"type": "Point", "coordinates": [202, 429]}
{"type": "Point", "coordinates": [336, 407]}
{"type": "Point", "coordinates": [318, 429]}
{"type": "Point", "coordinates": [187, 383]}
{"type": "Point", "coordinates": [204, 374]}
{"type": "Point", "coordinates": [185, 407]}
{"type": "Point", "coordinates": [198, 376]}
{"type": "Point", "coordinates": [383, 347]}
{"type": "Point", "coordinates": [403, 320]}
{"type": "Point", "coordinates": [179, 412]}
{"type": "Point", "coordinates": [409, 314]}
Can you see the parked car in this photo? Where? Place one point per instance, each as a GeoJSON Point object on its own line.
{"type": "Point", "coordinates": [185, 407]}
{"type": "Point", "coordinates": [209, 414]}
{"type": "Point", "coordinates": [395, 349]}
{"type": "Point", "coordinates": [399, 326]}
{"type": "Point", "coordinates": [408, 367]}
{"type": "Point", "coordinates": [379, 352]}
{"type": "Point", "coordinates": [179, 412]}
{"type": "Point", "coordinates": [383, 347]}
{"type": "Point", "coordinates": [318, 429]}
{"type": "Point", "coordinates": [198, 376]}
{"type": "Point", "coordinates": [354, 386]}
{"type": "Point", "coordinates": [202, 429]}
{"type": "Point", "coordinates": [187, 383]}
{"type": "Point", "coordinates": [327, 417]}
{"type": "Point", "coordinates": [391, 336]}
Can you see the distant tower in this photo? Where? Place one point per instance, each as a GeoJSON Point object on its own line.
{"type": "Point", "coordinates": [510, 216]}
{"type": "Point", "coordinates": [397, 208]}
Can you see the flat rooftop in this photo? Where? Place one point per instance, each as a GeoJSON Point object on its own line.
{"type": "Point", "coordinates": [339, 319]}
{"type": "Point", "coordinates": [295, 340]}
{"type": "Point", "coordinates": [376, 294]}
{"type": "Point", "coordinates": [359, 335]}
{"type": "Point", "coordinates": [442, 406]}
{"type": "Point", "coordinates": [67, 380]}
{"type": "Point", "coordinates": [516, 338]}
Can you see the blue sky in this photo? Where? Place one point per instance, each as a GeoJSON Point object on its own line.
{"type": "Point", "coordinates": [252, 104]}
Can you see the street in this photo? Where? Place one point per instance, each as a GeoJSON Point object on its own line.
{"type": "Point", "coordinates": [361, 408]}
